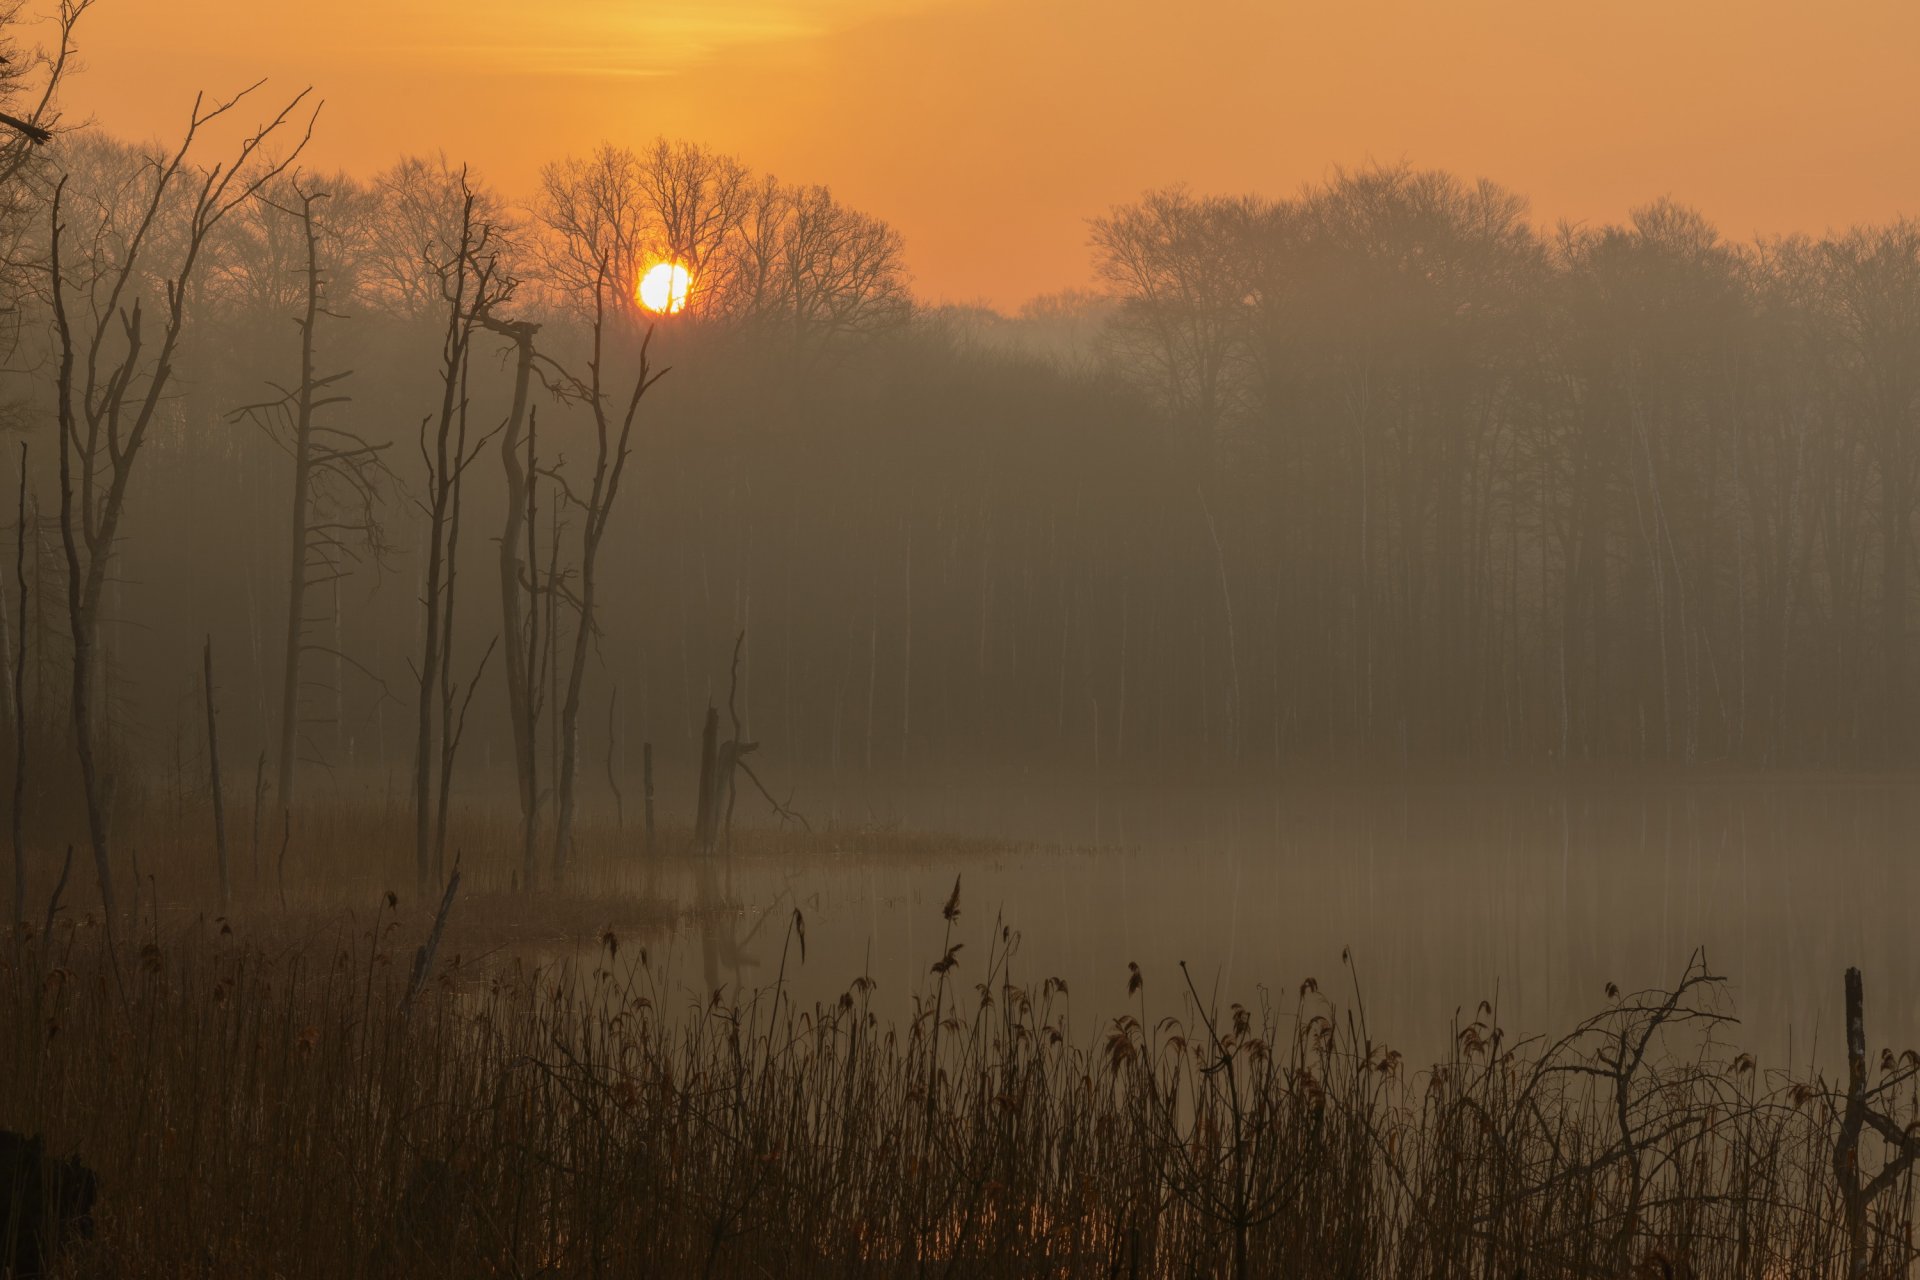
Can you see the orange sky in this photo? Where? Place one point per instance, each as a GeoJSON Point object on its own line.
{"type": "Point", "coordinates": [989, 130]}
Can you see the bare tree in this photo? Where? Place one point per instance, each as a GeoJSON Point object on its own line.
{"type": "Point", "coordinates": [805, 270]}
{"type": "Point", "coordinates": [31, 112]}
{"type": "Point", "coordinates": [841, 270]}
{"type": "Point", "coordinates": [108, 392]}
{"type": "Point", "coordinates": [337, 479]}
{"type": "Point", "coordinates": [415, 227]}
{"type": "Point", "coordinates": [693, 199]}
{"type": "Point", "coordinates": [613, 434]}
{"type": "Point", "coordinates": [1177, 265]}
{"type": "Point", "coordinates": [589, 209]}
{"type": "Point", "coordinates": [519, 580]}
{"type": "Point", "coordinates": [471, 286]}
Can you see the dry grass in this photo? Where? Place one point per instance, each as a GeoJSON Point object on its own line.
{"type": "Point", "coordinates": [260, 1103]}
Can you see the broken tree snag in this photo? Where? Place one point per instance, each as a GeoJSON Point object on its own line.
{"type": "Point", "coordinates": [720, 766]}
{"type": "Point", "coordinates": [213, 770]}
{"type": "Point", "coordinates": [732, 759]}
{"type": "Point", "coordinates": [734, 750]}
{"type": "Point", "coordinates": [32, 132]}
{"type": "Point", "coordinates": [718, 760]}
{"type": "Point", "coordinates": [709, 782]}
{"type": "Point", "coordinates": [646, 788]}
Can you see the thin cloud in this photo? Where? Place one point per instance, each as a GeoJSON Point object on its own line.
{"type": "Point", "coordinates": [624, 40]}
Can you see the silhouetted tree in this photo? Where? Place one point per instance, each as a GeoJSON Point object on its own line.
{"type": "Point", "coordinates": [109, 390]}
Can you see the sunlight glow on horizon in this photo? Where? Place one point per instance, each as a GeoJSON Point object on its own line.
{"type": "Point", "coordinates": [989, 153]}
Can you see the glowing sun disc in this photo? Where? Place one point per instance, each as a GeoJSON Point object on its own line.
{"type": "Point", "coordinates": [663, 289]}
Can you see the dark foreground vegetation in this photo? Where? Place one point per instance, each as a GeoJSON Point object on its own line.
{"type": "Point", "coordinates": [256, 1102]}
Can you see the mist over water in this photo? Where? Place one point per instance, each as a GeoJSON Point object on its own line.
{"type": "Point", "coordinates": [1533, 897]}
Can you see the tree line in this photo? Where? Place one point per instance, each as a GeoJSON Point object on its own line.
{"type": "Point", "coordinates": [1622, 491]}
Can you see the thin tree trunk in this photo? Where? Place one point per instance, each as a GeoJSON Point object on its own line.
{"type": "Point", "coordinates": [539, 650]}
{"type": "Point", "coordinates": [609, 465]}
{"type": "Point", "coordinates": [703, 833]}
{"type": "Point", "coordinates": [442, 480]}
{"type": "Point", "coordinates": [298, 519]}
{"type": "Point", "coordinates": [259, 804]}
{"type": "Point", "coordinates": [213, 773]}
{"type": "Point", "coordinates": [515, 564]}
{"type": "Point", "coordinates": [19, 685]}
{"type": "Point", "coordinates": [570, 716]}
{"type": "Point", "coordinates": [613, 778]}
{"type": "Point", "coordinates": [646, 787]}
{"type": "Point", "coordinates": [430, 650]}
{"type": "Point", "coordinates": [1896, 512]}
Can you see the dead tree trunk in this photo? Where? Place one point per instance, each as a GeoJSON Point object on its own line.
{"type": "Point", "coordinates": [733, 751]}
{"type": "Point", "coordinates": [213, 775]}
{"type": "Point", "coordinates": [450, 561]}
{"type": "Point", "coordinates": [614, 446]}
{"type": "Point", "coordinates": [440, 468]}
{"type": "Point", "coordinates": [471, 286]}
{"type": "Point", "coordinates": [259, 804]}
{"type": "Point", "coordinates": [18, 677]}
{"type": "Point", "coordinates": [613, 777]}
{"type": "Point", "coordinates": [646, 789]}
{"type": "Point", "coordinates": [7, 628]}
{"type": "Point", "coordinates": [721, 764]}
{"type": "Point", "coordinates": [703, 825]}
{"type": "Point", "coordinates": [297, 536]}
{"type": "Point", "coordinates": [105, 411]}
{"type": "Point", "coordinates": [324, 458]}
{"type": "Point", "coordinates": [519, 624]}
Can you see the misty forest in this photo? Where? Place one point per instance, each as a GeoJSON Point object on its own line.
{"type": "Point", "coordinates": [593, 730]}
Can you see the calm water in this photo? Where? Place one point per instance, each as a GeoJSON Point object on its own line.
{"type": "Point", "coordinates": [1532, 896]}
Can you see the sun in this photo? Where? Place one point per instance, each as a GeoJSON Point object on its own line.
{"type": "Point", "coordinates": [663, 289]}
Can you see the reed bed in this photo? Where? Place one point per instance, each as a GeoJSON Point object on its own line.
{"type": "Point", "coordinates": [259, 1105]}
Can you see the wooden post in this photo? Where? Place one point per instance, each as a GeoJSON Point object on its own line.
{"type": "Point", "coordinates": [213, 769]}
{"type": "Point", "coordinates": [646, 785]}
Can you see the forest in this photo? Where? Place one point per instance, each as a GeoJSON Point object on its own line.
{"type": "Point", "coordinates": [459, 639]}
{"type": "Point", "coordinates": [1378, 472]}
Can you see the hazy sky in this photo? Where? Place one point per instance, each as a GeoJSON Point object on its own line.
{"type": "Point", "coordinates": [989, 130]}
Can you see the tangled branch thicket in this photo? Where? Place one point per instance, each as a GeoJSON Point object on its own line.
{"type": "Point", "coordinates": [289, 1112]}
